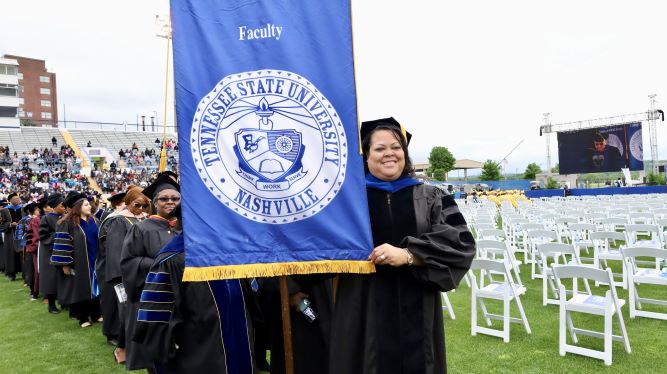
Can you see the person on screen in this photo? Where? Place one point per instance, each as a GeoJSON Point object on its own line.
{"type": "Point", "coordinates": [602, 156]}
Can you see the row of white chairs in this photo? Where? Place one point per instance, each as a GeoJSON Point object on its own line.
{"type": "Point", "coordinates": [552, 243]}
{"type": "Point", "coordinates": [566, 265]}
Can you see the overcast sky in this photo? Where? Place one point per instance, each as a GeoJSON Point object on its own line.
{"type": "Point", "coordinates": [474, 76]}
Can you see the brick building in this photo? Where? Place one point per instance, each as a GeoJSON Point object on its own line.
{"type": "Point", "coordinates": [38, 97]}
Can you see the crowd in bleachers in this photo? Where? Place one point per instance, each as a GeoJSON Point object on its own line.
{"type": "Point", "coordinates": [38, 171]}
{"type": "Point", "coordinates": [42, 158]}
{"type": "Point", "coordinates": [118, 180]}
{"type": "Point", "coordinates": [149, 157]}
{"type": "Point", "coordinates": [49, 170]}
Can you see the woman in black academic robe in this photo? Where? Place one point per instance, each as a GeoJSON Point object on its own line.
{"type": "Point", "coordinates": [391, 321]}
{"type": "Point", "coordinates": [74, 251]}
{"type": "Point", "coordinates": [194, 327]}
{"type": "Point", "coordinates": [112, 235]}
{"type": "Point", "coordinates": [9, 219]}
{"type": "Point", "coordinates": [140, 247]}
{"type": "Point", "coordinates": [48, 274]}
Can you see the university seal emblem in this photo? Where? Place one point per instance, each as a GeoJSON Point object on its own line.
{"type": "Point", "coordinates": [636, 148]}
{"type": "Point", "coordinates": [269, 145]}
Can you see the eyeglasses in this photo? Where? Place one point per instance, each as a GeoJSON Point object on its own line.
{"type": "Point", "coordinates": [140, 205]}
{"type": "Point", "coordinates": [167, 199]}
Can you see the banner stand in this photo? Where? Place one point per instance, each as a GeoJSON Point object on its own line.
{"type": "Point", "coordinates": [287, 326]}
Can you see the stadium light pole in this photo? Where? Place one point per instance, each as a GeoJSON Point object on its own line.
{"type": "Point", "coordinates": [157, 122]}
{"type": "Point", "coordinates": [143, 123]}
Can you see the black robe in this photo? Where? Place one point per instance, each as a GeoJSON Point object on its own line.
{"type": "Point", "coordinates": [2, 246]}
{"type": "Point", "coordinates": [140, 247]}
{"type": "Point", "coordinates": [11, 247]}
{"type": "Point", "coordinates": [71, 248]}
{"type": "Point", "coordinates": [391, 321]}
{"type": "Point", "coordinates": [107, 266]}
{"type": "Point", "coordinates": [48, 274]}
{"type": "Point", "coordinates": [310, 340]}
{"type": "Point", "coordinates": [193, 327]}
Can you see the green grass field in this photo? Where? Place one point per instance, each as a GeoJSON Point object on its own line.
{"type": "Point", "coordinates": [33, 341]}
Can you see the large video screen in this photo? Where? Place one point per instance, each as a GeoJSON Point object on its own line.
{"type": "Point", "coordinates": [603, 149]}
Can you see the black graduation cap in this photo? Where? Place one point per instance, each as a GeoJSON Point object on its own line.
{"type": "Point", "coordinates": [171, 174]}
{"type": "Point", "coordinates": [54, 200]}
{"type": "Point", "coordinates": [368, 127]}
{"type": "Point", "coordinates": [3, 202]}
{"type": "Point", "coordinates": [164, 181]}
{"type": "Point", "coordinates": [116, 196]}
{"type": "Point", "coordinates": [30, 206]}
{"type": "Point", "coordinates": [72, 198]}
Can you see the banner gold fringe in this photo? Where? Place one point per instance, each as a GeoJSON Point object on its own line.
{"type": "Point", "coordinates": [200, 274]}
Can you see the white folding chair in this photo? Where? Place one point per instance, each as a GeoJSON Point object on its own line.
{"type": "Point", "coordinates": [659, 213]}
{"type": "Point", "coordinates": [516, 234]}
{"type": "Point", "coordinates": [482, 226]}
{"type": "Point", "coordinates": [634, 232]}
{"type": "Point", "coordinates": [603, 251]}
{"type": "Point", "coordinates": [580, 235]}
{"type": "Point", "coordinates": [524, 229]}
{"type": "Point", "coordinates": [594, 218]}
{"type": "Point", "coordinates": [558, 253]}
{"type": "Point", "coordinates": [493, 234]}
{"type": "Point", "coordinates": [662, 225]}
{"type": "Point", "coordinates": [638, 275]}
{"type": "Point", "coordinates": [498, 250]}
{"type": "Point", "coordinates": [641, 218]}
{"type": "Point", "coordinates": [614, 223]}
{"type": "Point", "coordinates": [533, 238]}
{"type": "Point", "coordinates": [562, 225]}
{"type": "Point", "coordinates": [505, 291]}
{"type": "Point", "coordinates": [446, 305]}
{"type": "Point", "coordinates": [607, 306]}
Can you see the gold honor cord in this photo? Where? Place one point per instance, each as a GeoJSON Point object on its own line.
{"type": "Point", "coordinates": [163, 152]}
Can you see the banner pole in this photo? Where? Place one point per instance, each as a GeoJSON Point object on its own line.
{"type": "Point", "coordinates": [287, 326]}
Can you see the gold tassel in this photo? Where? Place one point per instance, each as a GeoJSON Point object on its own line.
{"type": "Point", "coordinates": [163, 156]}
{"type": "Point", "coordinates": [199, 274]}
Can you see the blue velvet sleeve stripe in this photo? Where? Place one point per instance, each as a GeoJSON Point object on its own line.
{"type": "Point", "coordinates": [62, 235]}
{"type": "Point", "coordinates": [55, 259]}
{"type": "Point", "coordinates": [158, 278]}
{"type": "Point", "coordinates": [157, 296]}
{"type": "Point", "coordinates": [62, 247]}
{"type": "Point", "coordinates": [144, 315]}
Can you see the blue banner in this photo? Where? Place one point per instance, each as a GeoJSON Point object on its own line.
{"type": "Point", "coordinates": [271, 173]}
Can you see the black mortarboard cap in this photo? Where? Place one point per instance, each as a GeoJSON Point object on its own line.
{"type": "Point", "coordinates": [72, 198]}
{"type": "Point", "coordinates": [29, 207]}
{"type": "Point", "coordinates": [170, 173]}
{"type": "Point", "coordinates": [116, 196]}
{"type": "Point", "coordinates": [164, 181]}
{"type": "Point", "coordinates": [368, 127]}
{"type": "Point", "coordinates": [54, 200]}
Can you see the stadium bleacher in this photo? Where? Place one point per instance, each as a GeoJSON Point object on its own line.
{"type": "Point", "coordinates": [29, 138]}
